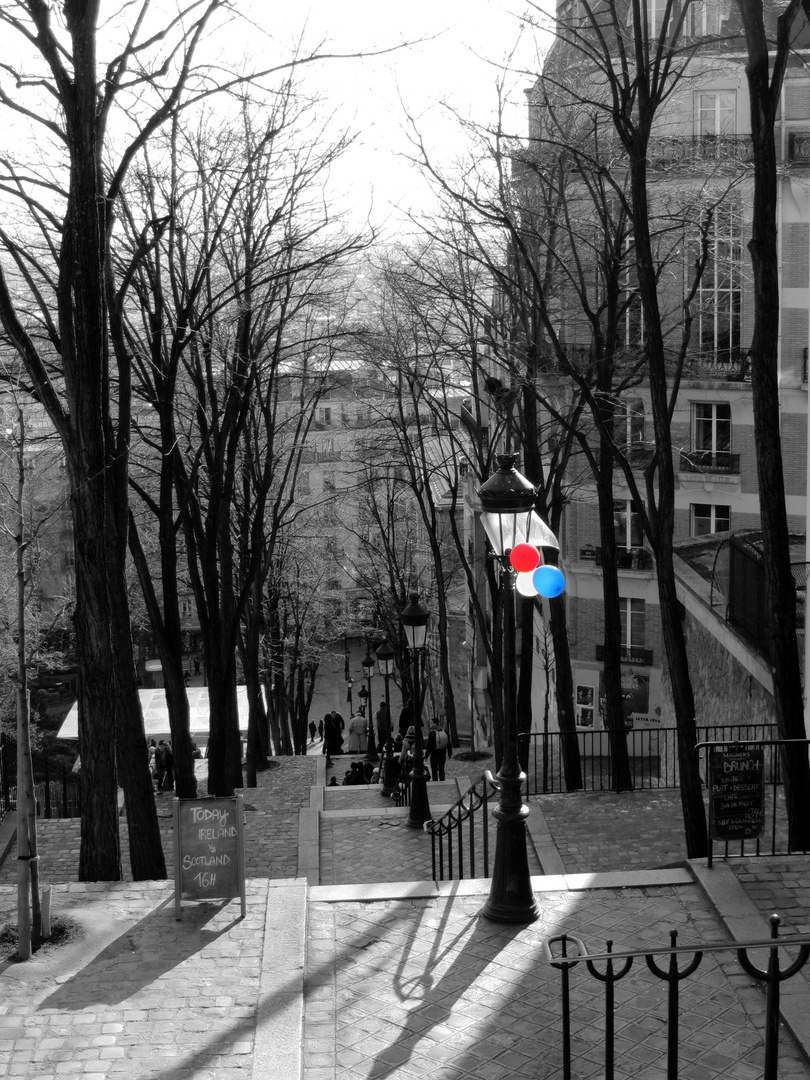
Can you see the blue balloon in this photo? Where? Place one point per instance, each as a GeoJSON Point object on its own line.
{"type": "Point", "coordinates": [548, 580]}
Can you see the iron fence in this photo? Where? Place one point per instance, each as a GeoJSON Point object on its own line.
{"type": "Point", "coordinates": [653, 756]}
{"type": "Point", "coordinates": [450, 858]}
{"type": "Point", "coordinates": [775, 837]}
{"type": "Point", "coordinates": [614, 966]}
{"type": "Point", "coordinates": [56, 789]}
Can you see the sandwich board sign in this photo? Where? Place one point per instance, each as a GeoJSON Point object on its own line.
{"type": "Point", "coordinates": [736, 793]}
{"type": "Point", "coordinates": [209, 850]}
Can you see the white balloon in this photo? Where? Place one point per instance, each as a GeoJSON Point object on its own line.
{"type": "Point", "coordinates": [525, 585]}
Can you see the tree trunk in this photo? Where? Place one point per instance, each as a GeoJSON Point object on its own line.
{"type": "Point", "coordinates": [564, 689]}
{"type": "Point", "coordinates": [779, 584]}
{"type": "Point", "coordinates": [613, 716]}
{"type": "Point", "coordinates": [662, 519]}
{"type": "Point", "coordinates": [99, 852]}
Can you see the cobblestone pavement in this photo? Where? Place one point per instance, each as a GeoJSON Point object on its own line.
{"type": "Point", "coordinates": [271, 833]}
{"type": "Point", "coordinates": [602, 831]}
{"type": "Point", "coordinates": [778, 885]}
{"type": "Point", "coordinates": [426, 988]}
{"type": "Point", "coordinates": [163, 999]}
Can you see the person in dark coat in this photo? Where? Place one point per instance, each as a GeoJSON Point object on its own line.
{"type": "Point", "coordinates": [438, 747]}
{"type": "Point", "coordinates": [405, 718]}
{"type": "Point", "coordinates": [332, 737]}
{"type": "Point", "coordinates": [312, 729]}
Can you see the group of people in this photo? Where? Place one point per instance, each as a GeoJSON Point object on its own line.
{"type": "Point", "coordinates": [437, 748]}
{"type": "Point", "coordinates": [436, 744]}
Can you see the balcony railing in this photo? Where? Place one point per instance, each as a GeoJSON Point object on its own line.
{"type": "Point", "coordinates": [633, 558]}
{"type": "Point", "coordinates": [709, 461]}
{"type": "Point", "coordinates": [696, 150]}
{"type": "Point", "coordinates": [630, 654]}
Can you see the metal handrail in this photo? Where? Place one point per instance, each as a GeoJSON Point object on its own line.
{"type": "Point", "coordinates": [450, 824]}
{"type": "Point", "coordinates": [618, 964]}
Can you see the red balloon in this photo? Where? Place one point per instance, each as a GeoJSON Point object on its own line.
{"type": "Point", "coordinates": [524, 558]}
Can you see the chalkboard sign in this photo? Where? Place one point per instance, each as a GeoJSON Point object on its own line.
{"type": "Point", "coordinates": [736, 793]}
{"type": "Point", "coordinates": [209, 854]}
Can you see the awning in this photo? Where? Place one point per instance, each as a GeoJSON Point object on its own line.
{"type": "Point", "coordinates": [156, 713]}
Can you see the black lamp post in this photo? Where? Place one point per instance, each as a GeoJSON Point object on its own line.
{"type": "Point", "coordinates": [368, 671]}
{"type": "Point", "coordinates": [508, 518]}
{"type": "Point", "coordinates": [414, 620]}
{"type": "Point", "coordinates": [385, 662]}
{"type": "Point", "coordinates": [349, 685]}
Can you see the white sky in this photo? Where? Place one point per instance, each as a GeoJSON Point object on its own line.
{"type": "Point", "coordinates": [469, 41]}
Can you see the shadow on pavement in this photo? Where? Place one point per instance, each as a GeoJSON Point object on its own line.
{"type": "Point", "coordinates": [140, 955]}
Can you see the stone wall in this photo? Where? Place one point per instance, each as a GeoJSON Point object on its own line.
{"type": "Point", "coordinates": [725, 691]}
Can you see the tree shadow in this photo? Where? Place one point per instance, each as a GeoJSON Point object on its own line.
{"type": "Point", "coordinates": [140, 955]}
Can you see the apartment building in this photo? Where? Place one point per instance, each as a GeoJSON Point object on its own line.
{"type": "Point", "coordinates": [700, 163]}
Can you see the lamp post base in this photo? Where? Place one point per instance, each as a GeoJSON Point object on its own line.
{"type": "Point", "coordinates": [511, 899]}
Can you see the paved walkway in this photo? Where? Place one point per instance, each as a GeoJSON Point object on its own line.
{"type": "Point", "coordinates": [352, 963]}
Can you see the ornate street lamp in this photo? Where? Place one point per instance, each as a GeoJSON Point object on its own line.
{"type": "Point", "coordinates": [414, 620]}
{"type": "Point", "coordinates": [390, 769]}
{"type": "Point", "coordinates": [509, 520]}
{"type": "Point", "coordinates": [368, 671]}
{"type": "Point", "coordinates": [349, 685]}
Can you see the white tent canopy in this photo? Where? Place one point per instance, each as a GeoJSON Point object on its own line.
{"type": "Point", "coordinates": [156, 714]}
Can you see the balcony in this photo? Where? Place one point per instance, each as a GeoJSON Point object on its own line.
{"type": "Point", "coordinates": [630, 654]}
{"type": "Point", "coordinates": [710, 461]}
{"type": "Point", "coordinates": [696, 151]}
{"type": "Point", "coordinates": [636, 558]}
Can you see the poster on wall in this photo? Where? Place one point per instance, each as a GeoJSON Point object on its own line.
{"type": "Point", "coordinates": [585, 699]}
{"type": "Point", "coordinates": [635, 696]}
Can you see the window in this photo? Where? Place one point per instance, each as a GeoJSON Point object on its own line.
{"type": "Point", "coordinates": [325, 416]}
{"type": "Point", "coordinates": [627, 524]}
{"type": "Point", "coordinates": [716, 114]}
{"type": "Point", "coordinates": [303, 482]}
{"type": "Point", "coordinates": [709, 519]}
{"type": "Point", "coordinates": [711, 432]}
{"type": "Point", "coordinates": [328, 481]}
{"type": "Point", "coordinates": [706, 17]}
{"type": "Point", "coordinates": [186, 607]}
{"type": "Point", "coordinates": [584, 713]}
{"type": "Point", "coordinates": [719, 297]}
{"type": "Point", "coordinates": [628, 429]}
{"type": "Point", "coordinates": [633, 623]}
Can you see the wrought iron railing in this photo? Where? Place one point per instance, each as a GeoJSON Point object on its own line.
{"type": "Point", "coordinates": [451, 860]}
{"type": "Point", "coordinates": [709, 461]}
{"type": "Point", "coordinates": [57, 790]}
{"type": "Point", "coordinates": [695, 150]}
{"type": "Point", "coordinates": [775, 837]}
{"type": "Point", "coordinates": [653, 756]}
{"type": "Point", "coordinates": [610, 967]}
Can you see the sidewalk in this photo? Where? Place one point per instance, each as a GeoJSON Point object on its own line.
{"type": "Point", "coordinates": [352, 963]}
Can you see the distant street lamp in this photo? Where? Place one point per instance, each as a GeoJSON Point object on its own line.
{"type": "Point", "coordinates": [390, 769]}
{"type": "Point", "coordinates": [349, 685]}
{"type": "Point", "coordinates": [414, 620]}
{"type": "Point", "coordinates": [514, 529]}
{"type": "Point", "coordinates": [368, 671]}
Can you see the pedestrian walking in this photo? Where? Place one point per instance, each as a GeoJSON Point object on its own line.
{"type": "Point", "coordinates": [320, 730]}
{"type": "Point", "coordinates": [406, 718]}
{"type": "Point", "coordinates": [438, 747]}
{"type": "Point", "coordinates": [312, 729]}
{"type": "Point", "coordinates": [168, 772]}
{"type": "Point", "coordinates": [383, 725]}
{"type": "Point", "coordinates": [358, 734]}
